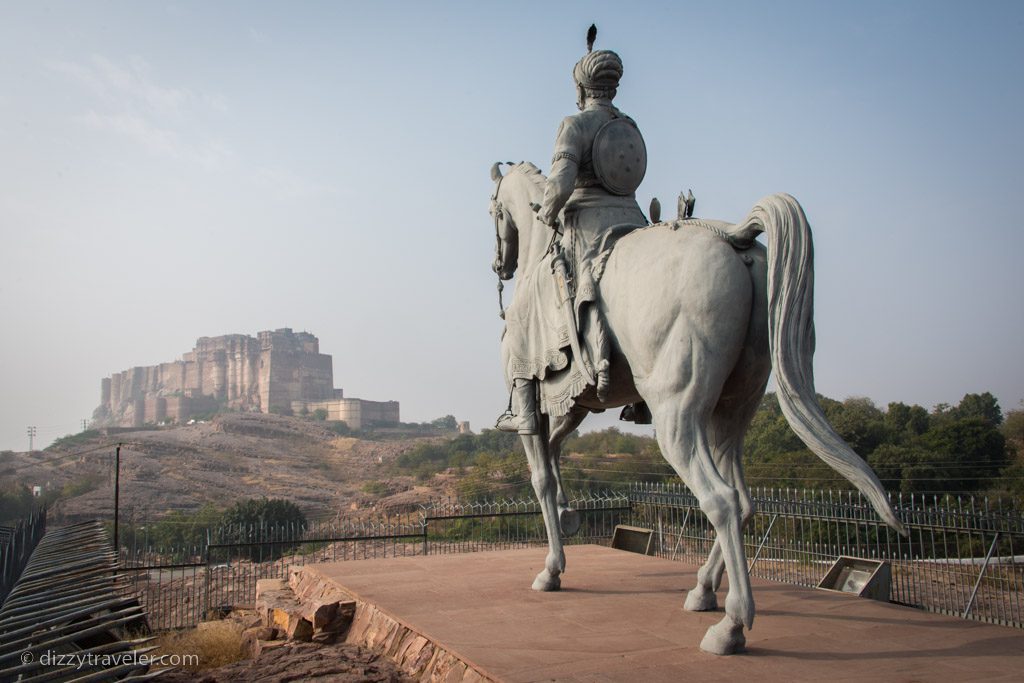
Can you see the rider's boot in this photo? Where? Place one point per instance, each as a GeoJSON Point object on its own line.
{"type": "Point", "coordinates": [525, 423]}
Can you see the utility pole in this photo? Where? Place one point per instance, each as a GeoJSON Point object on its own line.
{"type": "Point", "coordinates": [117, 495]}
{"type": "Point", "coordinates": [31, 438]}
{"type": "Point", "coordinates": [84, 423]}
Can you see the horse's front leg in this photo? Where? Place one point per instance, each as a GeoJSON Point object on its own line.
{"type": "Point", "coordinates": [545, 486]}
{"type": "Point", "coordinates": [568, 519]}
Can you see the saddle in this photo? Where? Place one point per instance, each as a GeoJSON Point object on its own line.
{"type": "Point", "coordinates": [590, 326]}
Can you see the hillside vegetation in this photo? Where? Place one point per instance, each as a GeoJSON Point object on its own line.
{"type": "Point", "coordinates": [964, 449]}
{"type": "Point", "coordinates": [189, 475]}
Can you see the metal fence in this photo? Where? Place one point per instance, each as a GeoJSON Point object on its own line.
{"type": "Point", "coordinates": [16, 545]}
{"type": "Point", "coordinates": [182, 586]}
{"type": "Point", "coordinates": [963, 557]}
{"type": "Point", "coordinates": [70, 605]}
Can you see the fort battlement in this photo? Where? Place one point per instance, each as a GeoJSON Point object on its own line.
{"type": "Point", "coordinates": [275, 371]}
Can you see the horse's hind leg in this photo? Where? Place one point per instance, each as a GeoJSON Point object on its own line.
{"type": "Point", "coordinates": [681, 427]}
{"type": "Point", "coordinates": [728, 426]}
{"type": "Point", "coordinates": [568, 519]}
{"type": "Point", "coordinates": [544, 485]}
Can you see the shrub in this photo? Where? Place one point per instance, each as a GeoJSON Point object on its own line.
{"type": "Point", "coordinates": [375, 488]}
{"type": "Point", "coordinates": [339, 427]}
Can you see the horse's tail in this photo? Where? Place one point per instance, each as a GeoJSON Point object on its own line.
{"type": "Point", "coordinates": [791, 339]}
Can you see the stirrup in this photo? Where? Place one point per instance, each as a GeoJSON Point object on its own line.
{"type": "Point", "coordinates": [509, 422]}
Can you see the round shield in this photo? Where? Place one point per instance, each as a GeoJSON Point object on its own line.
{"type": "Point", "coordinates": [620, 156]}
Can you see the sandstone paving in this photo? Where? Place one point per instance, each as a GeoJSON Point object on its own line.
{"type": "Point", "coordinates": [619, 617]}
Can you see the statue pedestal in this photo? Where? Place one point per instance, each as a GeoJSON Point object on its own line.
{"type": "Point", "coordinates": [619, 617]}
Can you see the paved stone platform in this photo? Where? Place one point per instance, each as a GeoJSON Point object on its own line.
{"type": "Point", "coordinates": [619, 617]}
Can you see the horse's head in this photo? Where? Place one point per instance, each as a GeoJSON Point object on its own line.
{"type": "Point", "coordinates": [515, 194]}
{"type": "Point", "coordinates": [506, 235]}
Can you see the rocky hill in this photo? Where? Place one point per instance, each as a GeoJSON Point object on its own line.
{"type": "Point", "coordinates": [233, 457]}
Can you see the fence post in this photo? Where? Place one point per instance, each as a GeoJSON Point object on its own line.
{"type": "Point", "coordinates": [977, 584]}
{"type": "Point", "coordinates": [426, 548]}
{"type": "Point", "coordinates": [763, 541]}
{"type": "Point", "coordinates": [208, 577]}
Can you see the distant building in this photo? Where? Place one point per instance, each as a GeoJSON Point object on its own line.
{"type": "Point", "coordinates": [277, 371]}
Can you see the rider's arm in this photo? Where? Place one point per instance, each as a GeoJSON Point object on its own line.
{"type": "Point", "coordinates": [564, 167]}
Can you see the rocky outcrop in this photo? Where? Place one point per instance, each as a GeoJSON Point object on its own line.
{"type": "Point", "coordinates": [310, 613]}
{"type": "Point", "coordinates": [298, 661]}
{"type": "Point", "coordinates": [307, 607]}
{"type": "Point", "coordinates": [320, 601]}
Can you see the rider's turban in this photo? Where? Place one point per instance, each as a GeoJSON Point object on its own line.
{"type": "Point", "coordinates": [600, 70]}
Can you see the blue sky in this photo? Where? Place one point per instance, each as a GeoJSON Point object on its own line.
{"type": "Point", "coordinates": [186, 169]}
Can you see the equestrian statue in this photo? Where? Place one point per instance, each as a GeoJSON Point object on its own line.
{"type": "Point", "coordinates": [680, 322]}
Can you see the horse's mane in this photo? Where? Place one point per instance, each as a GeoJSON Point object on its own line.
{"type": "Point", "coordinates": [531, 172]}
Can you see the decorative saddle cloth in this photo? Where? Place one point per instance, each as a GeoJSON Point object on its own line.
{"type": "Point", "coordinates": [537, 334]}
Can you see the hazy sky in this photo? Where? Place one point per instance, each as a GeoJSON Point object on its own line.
{"type": "Point", "coordinates": [186, 169]}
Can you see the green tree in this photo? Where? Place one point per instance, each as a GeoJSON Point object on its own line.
{"type": "Point", "coordinates": [265, 524]}
{"type": "Point", "coordinates": [984, 406]}
{"type": "Point", "coordinates": [859, 422]}
{"type": "Point", "coordinates": [905, 422]}
{"type": "Point", "coordinates": [1012, 430]}
{"type": "Point", "coordinates": [769, 434]}
{"type": "Point", "coordinates": [911, 469]}
{"type": "Point", "coordinates": [179, 533]}
{"type": "Point", "coordinates": [16, 502]}
{"type": "Point", "coordinates": [447, 422]}
{"type": "Point", "coordinates": [970, 450]}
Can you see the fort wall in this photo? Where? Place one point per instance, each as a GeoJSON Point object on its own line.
{"type": "Point", "coordinates": [266, 373]}
{"type": "Point", "coordinates": [354, 412]}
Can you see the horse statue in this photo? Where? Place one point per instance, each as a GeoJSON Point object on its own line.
{"type": "Point", "coordinates": [698, 315]}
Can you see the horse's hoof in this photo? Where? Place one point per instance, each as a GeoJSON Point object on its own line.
{"type": "Point", "coordinates": [569, 520]}
{"type": "Point", "coordinates": [546, 582]}
{"type": "Point", "coordinates": [724, 638]}
{"type": "Point", "coordinates": [701, 599]}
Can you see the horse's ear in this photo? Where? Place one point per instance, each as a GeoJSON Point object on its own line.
{"type": "Point", "coordinates": [496, 171]}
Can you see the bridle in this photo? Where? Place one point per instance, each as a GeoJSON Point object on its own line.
{"type": "Point", "coordinates": [498, 212]}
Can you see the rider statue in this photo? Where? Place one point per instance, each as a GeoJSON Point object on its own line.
{"type": "Point", "coordinates": [598, 163]}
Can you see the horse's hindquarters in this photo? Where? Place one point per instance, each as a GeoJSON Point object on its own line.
{"type": "Point", "coordinates": [670, 294]}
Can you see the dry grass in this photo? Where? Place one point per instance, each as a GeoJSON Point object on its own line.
{"type": "Point", "coordinates": [215, 642]}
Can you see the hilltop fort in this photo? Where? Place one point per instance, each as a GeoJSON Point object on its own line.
{"type": "Point", "coordinates": [277, 371]}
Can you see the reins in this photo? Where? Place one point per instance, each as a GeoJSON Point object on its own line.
{"type": "Point", "coordinates": [498, 212]}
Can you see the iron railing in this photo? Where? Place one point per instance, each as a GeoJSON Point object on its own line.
{"type": "Point", "coordinates": [182, 586]}
{"type": "Point", "coordinates": [962, 556]}
{"type": "Point", "coordinates": [16, 545]}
